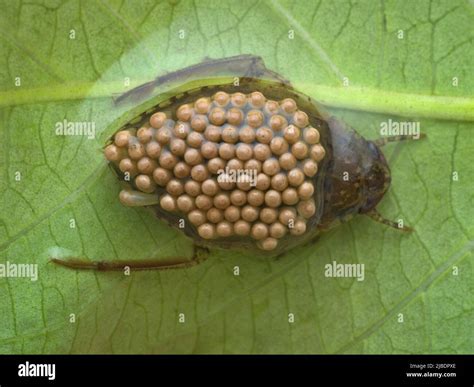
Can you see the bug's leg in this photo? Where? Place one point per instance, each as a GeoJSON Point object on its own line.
{"type": "Point", "coordinates": [134, 198]}
{"type": "Point", "coordinates": [375, 215]}
{"type": "Point", "coordinates": [200, 254]}
{"type": "Point", "coordinates": [385, 140]}
{"type": "Point", "coordinates": [246, 66]}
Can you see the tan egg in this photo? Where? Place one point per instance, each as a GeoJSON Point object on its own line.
{"type": "Point", "coordinates": [262, 152]}
{"type": "Point", "coordinates": [249, 213]}
{"type": "Point", "coordinates": [203, 202]}
{"type": "Point", "coordinates": [306, 190]}
{"type": "Point", "coordinates": [268, 215]}
{"type": "Point", "coordinates": [215, 215]}
{"type": "Point", "coordinates": [277, 122]}
{"type": "Point", "coordinates": [153, 149]}
{"type": "Point", "coordinates": [185, 203]}
{"type": "Point", "coordinates": [253, 166]}
{"type": "Point", "coordinates": [199, 172]}
{"type": "Point", "coordinates": [195, 139]}
{"type": "Point", "coordinates": [167, 160]}
{"type": "Point", "coordinates": [145, 184]}
{"type": "Point", "coordinates": [296, 177]}
{"type": "Point", "coordinates": [213, 133]}
{"type": "Point", "coordinates": [317, 152]}
{"type": "Point", "coordinates": [222, 200]}
{"type": "Point", "coordinates": [238, 197]}
{"type": "Point", "coordinates": [288, 105]}
{"type": "Point", "coordinates": [210, 187]}
{"type": "Point", "coordinates": [226, 151]}
{"type": "Point", "coordinates": [128, 166]}
{"type": "Point", "coordinates": [163, 135]}
{"type": "Point", "coordinates": [271, 166]}
{"type": "Point", "coordinates": [192, 156]}
{"type": "Point", "coordinates": [310, 168]}
{"type": "Point", "coordinates": [235, 116]}
{"type": "Point", "coordinates": [136, 150]}
{"type": "Point", "coordinates": [238, 99]}
{"type": "Point", "coordinates": [263, 182]}
{"type": "Point", "coordinates": [306, 208]}
{"type": "Point", "coordinates": [144, 134]}
{"type": "Point", "coordinates": [279, 146]}
{"type": "Point", "coordinates": [184, 113]}
{"type": "Point", "coordinates": [202, 105]}
{"type": "Point", "coordinates": [177, 146]}
{"type": "Point", "coordinates": [256, 197]}
{"type": "Point", "coordinates": [264, 135]}
{"type": "Point", "coordinates": [209, 150]}
{"type": "Point", "coordinates": [192, 188]}
{"type": "Point", "coordinates": [279, 182]}
{"type": "Point", "coordinates": [175, 187]}
{"type": "Point", "coordinates": [290, 196]}
{"type": "Point", "coordinates": [157, 120]}
{"type": "Point", "coordinates": [277, 230]}
{"type": "Point", "coordinates": [268, 244]}
{"type": "Point", "coordinates": [287, 215]}
{"type": "Point", "coordinates": [181, 129]}
{"type": "Point", "coordinates": [207, 231]}
{"type": "Point", "coordinates": [272, 198]}
{"type": "Point", "coordinates": [146, 165]}
{"type": "Point", "coordinates": [242, 228]}
{"type": "Point", "coordinates": [299, 228]}
{"type": "Point", "coordinates": [234, 165]}
{"type": "Point", "coordinates": [287, 161]}
{"type": "Point", "coordinates": [244, 184]}
{"type": "Point", "coordinates": [271, 107]}
{"type": "Point", "coordinates": [257, 99]}
{"type": "Point", "coordinates": [244, 151]}
{"type": "Point", "coordinates": [199, 122]}
{"type": "Point", "coordinates": [225, 181]}
{"type": "Point", "coordinates": [230, 134]}
{"type": "Point", "coordinates": [217, 116]}
{"type": "Point", "coordinates": [247, 134]}
{"type": "Point", "coordinates": [121, 138]}
{"type": "Point", "coordinates": [291, 134]}
{"type": "Point", "coordinates": [114, 153]}
{"type": "Point", "coordinates": [162, 176]}
{"type": "Point", "coordinates": [232, 213]}
{"type": "Point", "coordinates": [259, 231]}
{"type": "Point", "coordinates": [197, 217]}
{"type": "Point", "coordinates": [224, 229]}
{"type": "Point", "coordinates": [168, 203]}
{"type": "Point", "coordinates": [221, 98]}
{"type": "Point", "coordinates": [311, 135]}
{"type": "Point", "coordinates": [255, 118]}
{"type": "Point", "coordinates": [300, 150]}
{"type": "Point", "coordinates": [300, 119]}
{"type": "Point", "coordinates": [215, 165]}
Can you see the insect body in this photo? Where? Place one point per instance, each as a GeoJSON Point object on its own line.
{"type": "Point", "coordinates": [254, 165]}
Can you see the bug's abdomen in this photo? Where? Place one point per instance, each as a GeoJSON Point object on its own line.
{"type": "Point", "coordinates": [240, 169]}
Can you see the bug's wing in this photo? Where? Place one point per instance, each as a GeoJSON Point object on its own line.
{"type": "Point", "coordinates": [240, 66]}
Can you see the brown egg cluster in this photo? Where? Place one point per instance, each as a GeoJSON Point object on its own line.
{"type": "Point", "coordinates": [233, 164]}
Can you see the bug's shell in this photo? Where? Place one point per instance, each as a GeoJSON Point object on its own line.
{"type": "Point", "coordinates": [346, 151]}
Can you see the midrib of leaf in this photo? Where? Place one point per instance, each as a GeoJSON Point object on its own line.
{"type": "Point", "coordinates": [355, 98]}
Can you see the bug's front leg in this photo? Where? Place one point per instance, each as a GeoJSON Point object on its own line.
{"type": "Point", "coordinates": [200, 254]}
{"type": "Point", "coordinates": [132, 198]}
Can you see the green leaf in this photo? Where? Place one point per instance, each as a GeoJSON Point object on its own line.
{"type": "Point", "coordinates": [424, 278]}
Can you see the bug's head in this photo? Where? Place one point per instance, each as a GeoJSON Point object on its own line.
{"type": "Point", "coordinates": [376, 178]}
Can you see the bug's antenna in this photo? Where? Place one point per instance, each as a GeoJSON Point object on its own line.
{"type": "Point", "coordinates": [385, 140]}
{"type": "Point", "coordinates": [375, 215]}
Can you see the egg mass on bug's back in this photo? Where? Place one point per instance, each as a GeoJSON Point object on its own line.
{"type": "Point", "coordinates": [232, 164]}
